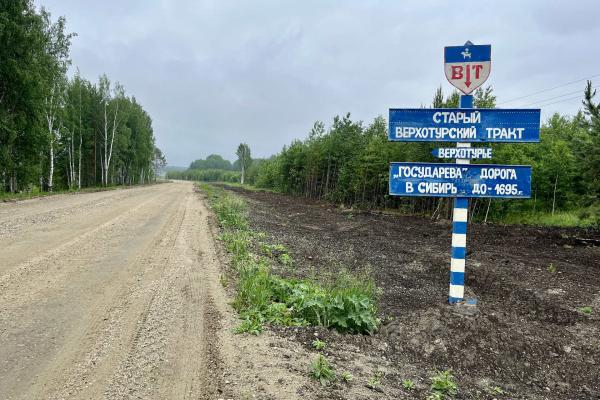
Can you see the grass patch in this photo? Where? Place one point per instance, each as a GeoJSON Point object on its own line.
{"type": "Point", "coordinates": [248, 187]}
{"type": "Point", "coordinates": [345, 302]}
{"type": "Point", "coordinates": [565, 219]}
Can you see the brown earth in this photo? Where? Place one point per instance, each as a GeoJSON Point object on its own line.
{"type": "Point", "coordinates": [528, 339]}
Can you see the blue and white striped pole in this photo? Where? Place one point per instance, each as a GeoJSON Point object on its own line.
{"type": "Point", "coordinates": [459, 230]}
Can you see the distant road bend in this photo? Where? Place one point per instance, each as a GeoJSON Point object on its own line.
{"type": "Point", "coordinates": [108, 295]}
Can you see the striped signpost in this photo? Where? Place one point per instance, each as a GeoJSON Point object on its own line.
{"type": "Point", "coordinates": [460, 217]}
{"type": "Point", "coordinates": [466, 67]}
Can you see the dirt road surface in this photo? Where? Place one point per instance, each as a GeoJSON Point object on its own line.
{"type": "Point", "coordinates": [116, 295]}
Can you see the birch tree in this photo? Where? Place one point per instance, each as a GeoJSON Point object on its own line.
{"type": "Point", "coordinates": [111, 99]}
{"type": "Point", "coordinates": [57, 133]}
{"type": "Point", "coordinates": [243, 153]}
{"type": "Point", "coordinates": [57, 44]}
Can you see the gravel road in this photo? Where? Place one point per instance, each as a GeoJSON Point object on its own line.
{"type": "Point", "coordinates": [110, 295]}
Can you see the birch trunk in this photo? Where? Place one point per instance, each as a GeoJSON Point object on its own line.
{"type": "Point", "coordinates": [79, 169]}
{"type": "Point", "coordinates": [487, 211]}
{"type": "Point", "coordinates": [50, 121]}
{"type": "Point", "coordinates": [554, 193]}
{"type": "Point", "coordinates": [104, 169]}
{"type": "Point", "coordinates": [51, 174]}
{"type": "Point", "coordinates": [70, 163]}
{"type": "Point", "coordinates": [108, 150]}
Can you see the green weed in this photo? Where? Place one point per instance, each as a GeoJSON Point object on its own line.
{"type": "Point", "coordinates": [346, 303]}
{"type": "Point", "coordinates": [443, 385]}
{"type": "Point", "coordinates": [495, 390]}
{"type": "Point", "coordinates": [586, 310]}
{"type": "Point", "coordinates": [321, 370]}
{"type": "Point", "coordinates": [435, 396]}
{"type": "Point", "coordinates": [249, 326]}
{"type": "Point", "coordinates": [552, 268]}
{"type": "Point", "coordinates": [575, 219]}
{"type": "Point", "coordinates": [286, 259]}
{"type": "Point", "coordinates": [374, 380]}
{"type": "Point", "coordinates": [347, 376]}
{"type": "Point", "coordinates": [224, 280]}
{"type": "Point", "coordinates": [319, 344]}
{"type": "Point", "coordinates": [408, 384]}
{"type": "Point", "coordinates": [272, 250]}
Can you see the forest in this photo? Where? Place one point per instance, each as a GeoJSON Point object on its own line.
{"type": "Point", "coordinates": [347, 163]}
{"type": "Point", "coordinates": [62, 132]}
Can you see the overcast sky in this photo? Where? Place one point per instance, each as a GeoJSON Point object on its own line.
{"type": "Point", "coordinates": [215, 73]}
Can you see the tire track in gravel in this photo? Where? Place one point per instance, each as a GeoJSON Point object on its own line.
{"type": "Point", "coordinates": [27, 272]}
{"type": "Point", "coordinates": [85, 373]}
{"type": "Point", "coordinates": [43, 229]}
{"type": "Point", "coordinates": [172, 354]}
{"type": "Point", "coordinates": [139, 323]}
{"type": "Point", "coordinates": [61, 204]}
{"type": "Point", "coordinates": [47, 302]}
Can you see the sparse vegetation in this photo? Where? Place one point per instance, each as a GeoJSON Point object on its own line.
{"type": "Point", "coordinates": [224, 280]}
{"type": "Point", "coordinates": [321, 370]}
{"type": "Point", "coordinates": [319, 344]}
{"type": "Point", "coordinates": [408, 384]}
{"type": "Point", "coordinates": [347, 377]}
{"type": "Point", "coordinates": [276, 251]}
{"type": "Point", "coordinates": [272, 250]}
{"type": "Point", "coordinates": [374, 380]}
{"type": "Point", "coordinates": [249, 326]}
{"type": "Point", "coordinates": [586, 310]}
{"type": "Point", "coordinates": [286, 259]}
{"type": "Point", "coordinates": [443, 386]}
{"type": "Point", "coordinates": [552, 268]}
{"type": "Point", "coordinates": [346, 302]}
{"type": "Point", "coordinates": [495, 390]}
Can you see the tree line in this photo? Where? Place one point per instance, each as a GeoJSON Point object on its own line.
{"type": "Point", "coordinates": [217, 169]}
{"type": "Point", "coordinates": [348, 163]}
{"type": "Point", "coordinates": [61, 132]}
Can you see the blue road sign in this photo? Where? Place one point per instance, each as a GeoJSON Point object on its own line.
{"type": "Point", "coordinates": [464, 125]}
{"type": "Point", "coordinates": [468, 53]}
{"type": "Point", "coordinates": [460, 180]}
{"type": "Point", "coordinates": [473, 153]}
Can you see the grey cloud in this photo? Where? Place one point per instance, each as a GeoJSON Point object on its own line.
{"type": "Point", "coordinates": [215, 73]}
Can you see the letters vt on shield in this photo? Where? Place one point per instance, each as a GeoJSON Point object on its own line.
{"type": "Point", "coordinates": [467, 67]}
